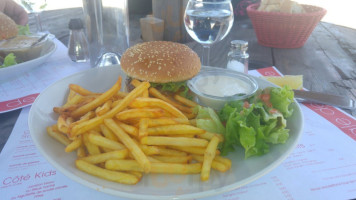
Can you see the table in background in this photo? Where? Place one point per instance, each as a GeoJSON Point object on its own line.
{"type": "Point", "coordinates": [327, 60]}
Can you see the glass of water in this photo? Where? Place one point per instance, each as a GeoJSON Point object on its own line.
{"type": "Point", "coordinates": [207, 22]}
{"type": "Point", "coordinates": [35, 7]}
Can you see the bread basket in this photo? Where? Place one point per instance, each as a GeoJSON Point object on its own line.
{"type": "Point", "coordinates": [284, 30]}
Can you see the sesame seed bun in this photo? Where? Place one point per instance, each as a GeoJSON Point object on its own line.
{"type": "Point", "coordinates": [160, 62]}
{"type": "Point", "coordinates": [8, 28]}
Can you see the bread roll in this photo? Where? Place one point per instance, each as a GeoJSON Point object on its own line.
{"type": "Point", "coordinates": [297, 8]}
{"type": "Point", "coordinates": [284, 6]}
{"type": "Point", "coordinates": [160, 62]}
{"type": "Point", "coordinates": [8, 28]}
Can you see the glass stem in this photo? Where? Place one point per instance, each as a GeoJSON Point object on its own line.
{"type": "Point", "coordinates": [206, 55]}
{"type": "Point", "coordinates": [38, 22]}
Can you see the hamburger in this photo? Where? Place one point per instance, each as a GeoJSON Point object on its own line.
{"type": "Point", "coordinates": [166, 65]}
{"type": "Point", "coordinates": [8, 28]}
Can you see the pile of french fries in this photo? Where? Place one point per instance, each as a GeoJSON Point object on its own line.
{"type": "Point", "coordinates": [119, 136]}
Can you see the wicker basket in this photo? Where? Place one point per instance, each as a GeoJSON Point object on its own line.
{"type": "Point", "coordinates": [284, 30]}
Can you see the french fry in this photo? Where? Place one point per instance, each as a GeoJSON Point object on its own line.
{"type": "Point", "coordinates": [98, 101]}
{"type": "Point", "coordinates": [174, 141]}
{"type": "Point", "coordinates": [192, 150]}
{"type": "Point", "coordinates": [223, 160]}
{"type": "Point", "coordinates": [185, 101]}
{"type": "Point", "coordinates": [175, 130]}
{"type": "Point", "coordinates": [75, 144]}
{"type": "Point", "coordinates": [65, 110]}
{"type": "Point", "coordinates": [166, 121]}
{"type": "Point", "coordinates": [105, 150]}
{"type": "Point", "coordinates": [136, 83]}
{"type": "Point", "coordinates": [71, 95]}
{"type": "Point", "coordinates": [209, 156]}
{"type": "Point", "coordinates": [80, 90]}
{"type": "Point", "coordinates": [123, 165]}
{"type": "Point", "coordinates": [104, 108]}
{"type": "Point", "coordinates": [176, 168]}
{"type": "Point", "coordinates": [137, 174]}
{"type": "Point", "coordinates": [115, 176]}
{"type": "Point", "coordinates": [153, 160]}
{"type": "Point", "coordinates": [92, 149]}
{"type": "Point", "coordinates": [208, 135]}
{"type": "Point", "coordinates": [190, 115]}
{"type": "Point", "coordinates": [58, 136]}
{"type": "Point", "coordinates": [105, 142]}
{"type": "Point", "coordinates": [108, 133]}
{"type": "Point", "coordinates": [170, 152]}
{"type": "Point", "coordinates": [128, 128]}
{"type": "Point", "coordinates": [62, 124]}
{"type": "Point", "coordinates": [87, 116]}
{"type": "Point", "coordinates": [153, 102]}
{"type": "Point", "coordinates": [149, 150]}
{"type": "Point", "coordinates": [183, 135]}
{"type": "Point", "coordinates": [130, 144]}
{"type": "Point", "coordinates": [142, 132]}
{"type": "Point", "coordinates": [121, 94]}
{"type": "Point", "coordinates": [115, 103]}
{"type": "Point", "coordinates": [166, 168]}
{"type": "Point", "coordinates": [154, 92]}
{"type": "Point", "coordinates": [100, 158]}
{"type": "Point", "coordinates": [87, 125]}
{"type": "Point", "coordinates": [73, 99]}
{"type": "Point", "coordinates": [76, 102]}
{"type": "Point", "coordinates": [140, 113]}
{"type": "Point", "coordinates": [215, 164]}
{"type": "Point", "coordinates": [81, 151]}
{"type": "Point", "coordinates": [174, 159]}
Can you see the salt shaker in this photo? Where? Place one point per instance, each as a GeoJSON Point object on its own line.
{"type": "Point", "coordinates": [237, 58]}
{"type": "Point", "coordinates": [78, 49]}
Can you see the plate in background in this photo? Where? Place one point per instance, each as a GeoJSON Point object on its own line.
{"type": "Point", "coordinates": [9, 72]}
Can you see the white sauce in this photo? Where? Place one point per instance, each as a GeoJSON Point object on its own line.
{"type": "Point", "coordinates": [221, 86]}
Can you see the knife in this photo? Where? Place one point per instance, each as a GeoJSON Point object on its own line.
{"type": "Point", "coordinates": [322, 98]}
{"type": "Point", "coordinates": [40, 39]}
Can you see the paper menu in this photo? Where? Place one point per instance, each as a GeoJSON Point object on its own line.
{"type": "Point", "coordinates": [27, 175]}
{"type": "Point", "coordinates": [23, 90]}
{"type": "Point", "coordinates": [321, 167]}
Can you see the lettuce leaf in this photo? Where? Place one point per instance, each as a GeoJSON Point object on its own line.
{"type": "Point", "coordinates": [257, 127]}
{"type": "Point", "coordinates": [208, 120]}
{"type": "Point", "coordinates": [174, 87]}
{"type": "Point", "coordinates": [23, 30]}
{"type": "Point", "coordinates": [281, 98]}
{"type": "Point", "coordinates": [9, 60]}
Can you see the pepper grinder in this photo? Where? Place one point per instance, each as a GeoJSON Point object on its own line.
{"type": "Point", "coordinates": [78, 49]}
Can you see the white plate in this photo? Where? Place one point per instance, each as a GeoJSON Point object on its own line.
{"type": "Point", "coordinates": [152, 186]}
{"type": "Point", "coordinates": [15, 70]}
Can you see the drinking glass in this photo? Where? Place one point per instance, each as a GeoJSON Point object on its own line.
{"type": "Point", "coordinates": [35, 7]}
{"type": "Point", "coordinates": [207, 22]}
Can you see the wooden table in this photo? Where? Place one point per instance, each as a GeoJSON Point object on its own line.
{"type": "Point", "coordinates": [327, 60]}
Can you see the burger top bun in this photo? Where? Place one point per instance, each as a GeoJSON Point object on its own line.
{"type": "Point", "coordinates": [8, 27]}
{"type": "Point", "coordinates": [160, 62]}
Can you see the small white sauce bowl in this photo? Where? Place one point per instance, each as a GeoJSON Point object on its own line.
{"type": "Point", "coordinates": [245, 86]}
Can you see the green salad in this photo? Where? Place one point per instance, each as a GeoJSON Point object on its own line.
{"type": "Point", "coordinates": [255, 124]}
